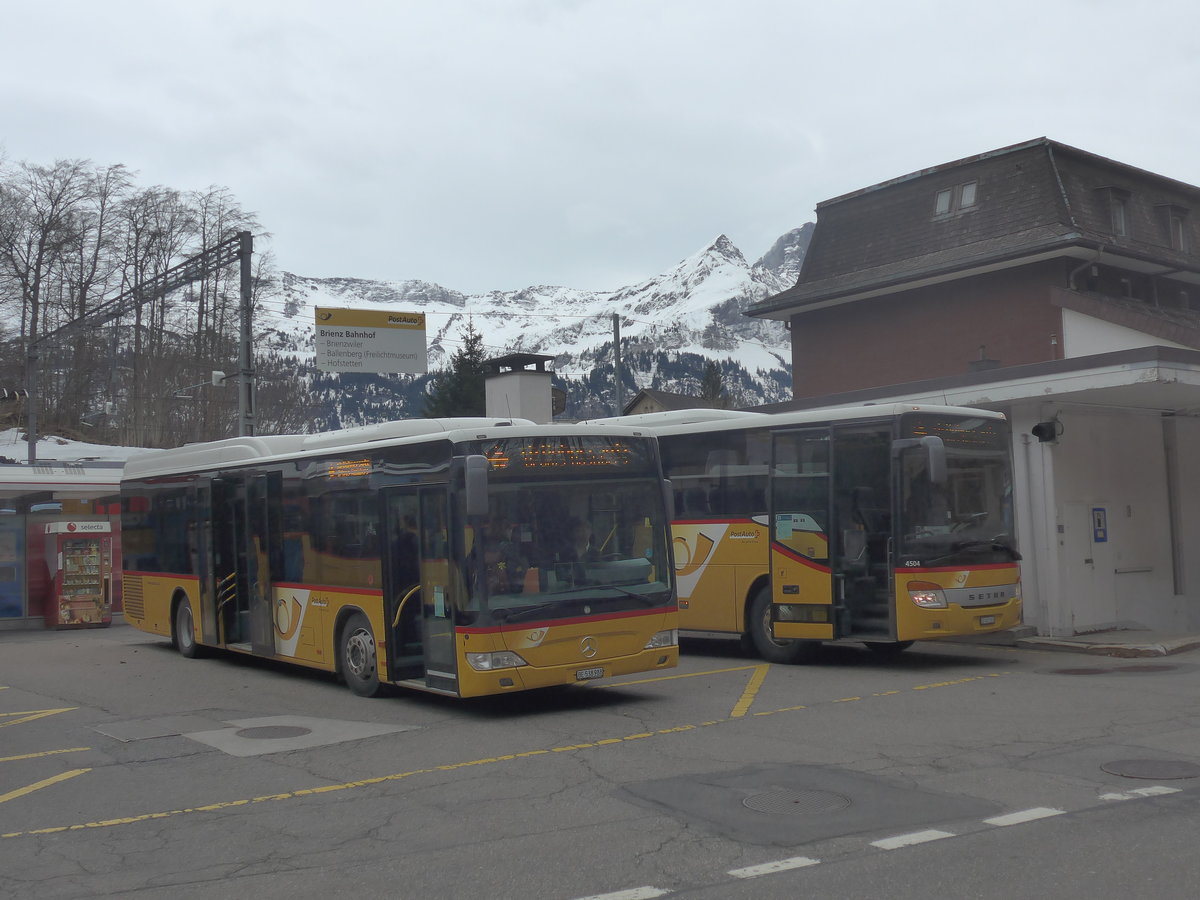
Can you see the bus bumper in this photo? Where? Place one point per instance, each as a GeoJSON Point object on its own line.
{"type": "Point", "coordinates": [500, 681]}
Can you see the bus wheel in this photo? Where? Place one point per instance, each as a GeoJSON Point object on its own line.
{"type": "Point", "coordinates": [184, 632]}
{"type": "Point", "coordinates": [356, 657]}
{"type": "Point", "coordinates": [888, 648]}
{"type": "Point", "coordinates": [758, 627]}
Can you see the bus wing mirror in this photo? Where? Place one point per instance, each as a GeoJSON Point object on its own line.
{"type": "Point", "coordinates": [476, 484]}
{"type": "Point", "coordinates": [935, 454]}
{"type": "Point", "coordinates": [669, 497]}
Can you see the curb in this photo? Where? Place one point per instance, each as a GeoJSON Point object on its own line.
{"type": "Point", "coordinates": [1166, 648]}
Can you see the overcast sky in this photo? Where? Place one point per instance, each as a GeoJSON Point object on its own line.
{"type": "Point", "coordinates": [497, 144]}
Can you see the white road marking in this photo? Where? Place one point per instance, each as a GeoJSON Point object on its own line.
{"type": "Point", "coordinates": [639, 893]}
{"type": "Point", "coordinates": [907, 840]}
{"type": "Point", "coordinates": [780, 865]}
{"type": "Point", "coordinates": [1153, 791]}
{"type": "Point", "coordinates": [1025, 815]}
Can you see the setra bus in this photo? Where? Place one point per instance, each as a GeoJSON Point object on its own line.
{"type": "Point", "coordinates": [433, 554]}
{"type": "Point", "coordinates": [876, 524]}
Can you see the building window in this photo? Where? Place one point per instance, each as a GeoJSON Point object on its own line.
{"type": "Point", "coordinates": [1176, 221]}
{"type": "Point", "coordinates": [1120, 216]}
{"type": "Point", "coordinates": [955, 199]}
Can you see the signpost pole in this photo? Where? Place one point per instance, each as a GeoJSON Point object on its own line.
{"type": "Point", "coordinates": [246, 412]}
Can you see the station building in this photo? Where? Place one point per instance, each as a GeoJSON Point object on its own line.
{"type": "Point", "coordinates": [1059, 287]}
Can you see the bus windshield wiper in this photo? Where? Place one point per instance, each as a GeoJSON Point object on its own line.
{"type": "Point", "coordinates": [600, 587]}
{"type": "Point", "coordinates": [986, 544]}
{"type": "Point", "coordinates": [505, 614]}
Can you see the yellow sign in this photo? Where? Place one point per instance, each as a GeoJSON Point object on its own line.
{"type": "Point", "coordinates": [369, 340]}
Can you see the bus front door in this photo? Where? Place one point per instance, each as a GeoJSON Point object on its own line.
{"type": "Point", "coordinates": [802, 589]}
{"type": "Point", "coordinates": [419, 593]}
{"type": "Point", "coordinates": [862, 531]}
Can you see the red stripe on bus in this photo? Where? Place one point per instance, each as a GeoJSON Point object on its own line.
{"type": "Point", "coordinates": [603, 617]}
{"type": "Point", "coordinates": [800, 558]}
{"type": "Point", "coordinates": [278, 585]}
{"type": "Point", "coordinates": [293, 586]}
{"type": "Point", "coordinates": [715, 519]}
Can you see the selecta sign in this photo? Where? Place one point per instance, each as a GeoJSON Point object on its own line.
{"type": "Point", "coordinates": [367, 340]}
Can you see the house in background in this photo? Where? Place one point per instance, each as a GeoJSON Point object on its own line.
{"type": "Point", "coordinates": [649, 400]}
{"type": "Point", "coordinates": [1062, 288]}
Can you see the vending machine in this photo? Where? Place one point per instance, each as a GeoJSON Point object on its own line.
{"type": "Point", "coordinates": [79, 555]}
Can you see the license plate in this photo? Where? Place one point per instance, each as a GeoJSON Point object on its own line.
{"type": "Point", "coordinates": [585, 674]}
{"type": "Point", "coordinates": [987, 620]}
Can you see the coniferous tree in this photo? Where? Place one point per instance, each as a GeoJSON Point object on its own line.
{"type": "Point", "coordinates": [712, 390]}
{"type": "Point", "coordinates": [459, 391]}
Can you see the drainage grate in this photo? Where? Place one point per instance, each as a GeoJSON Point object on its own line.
{"type": "Point", "coordinates": [1153, 769]}
{"type": "Point", "coordinates": [796, 803]}
{"type": "Point", "coordinates": [272, 732]}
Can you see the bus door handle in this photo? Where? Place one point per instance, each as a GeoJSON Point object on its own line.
{"type": "Point", "coordinates": [407, 597]}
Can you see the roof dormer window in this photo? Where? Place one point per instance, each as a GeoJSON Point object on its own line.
{"type": "Point", "coordinates": [1178, 233]}
{"type": "Point", "coordinates": [1120, 216]}
{"type": "Point", "coordinates": [954, 199]}
{"type": "Point", "coordinates": [1118, 210]}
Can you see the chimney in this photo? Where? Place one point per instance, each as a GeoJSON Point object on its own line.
{"type": "Point", "coordinates": [513, 390]}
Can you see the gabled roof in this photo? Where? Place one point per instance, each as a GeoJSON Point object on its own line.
{"type": "Point", "coordinates": [666, 400]}
{"type": "Point", "coordinates": [1035, 200]}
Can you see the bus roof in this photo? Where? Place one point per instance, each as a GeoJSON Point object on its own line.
{"type": "Point", "coordinates": [233, 452]}
{"type": "Point", "coordinates": [800, 417]}
{"type": "Point", "coordinates": [678, 417]}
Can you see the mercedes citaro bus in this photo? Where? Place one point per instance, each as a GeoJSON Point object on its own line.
{"type": "Point", "coordinates": [430, 553]}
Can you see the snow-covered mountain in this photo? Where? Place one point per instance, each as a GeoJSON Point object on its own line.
{"type": "Point", "coordinates": [670, 326]}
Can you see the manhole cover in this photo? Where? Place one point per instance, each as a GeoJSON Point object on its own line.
{"type": "Point", "coordinates": [1152, 768]}
{"type": "Point", "coordinates": [1081, 671]}
{"type": "Point", "coordinates": [267, 732]}
{"type": "Point", "coordinates": [796, 803]}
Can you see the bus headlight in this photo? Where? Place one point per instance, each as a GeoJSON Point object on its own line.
{"type": "Point", "coordinates": [668, 638]}
{"type": "Point", "coordinates": [500, 659]}
{"type": "Point", "coordinates": [927, 595]}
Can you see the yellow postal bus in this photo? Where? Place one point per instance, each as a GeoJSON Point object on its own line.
{"type": "Point", "coordinates": [878, 524]}
{"type": "Point", "coordinates": [432, 554]}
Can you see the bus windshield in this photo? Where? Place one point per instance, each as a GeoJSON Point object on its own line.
{"type": "Point", "coordinates": [570, 532]}
{"type": "Point", "coordinates": [966, 519]}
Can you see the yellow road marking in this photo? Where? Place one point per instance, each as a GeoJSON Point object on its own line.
{"type": "Point", "coordinates": [37, 786]}
{"type": "Point", "coordinates": [449, 767]}
{"type": "Point", "coordinates": [31, 714]}
{"type": "Point", "coordinates": [613, 684]}
{"type": "Point", "coordinates": [4, 759]}
{"type": "Point", "coordinates": [743, 705]}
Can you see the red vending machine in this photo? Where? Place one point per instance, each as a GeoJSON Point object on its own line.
{"type": "Point", "coordinates": [79, 555]}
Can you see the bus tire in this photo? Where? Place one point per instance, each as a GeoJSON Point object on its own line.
{"type": "Point", "coordinates": [357, 660]}
{"type": "Point", "coordinates": [758, 627]}
{"type": "Point", "coordinates": [183, 629]}
{"type": "Point", "coordinates": [886, 649]}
